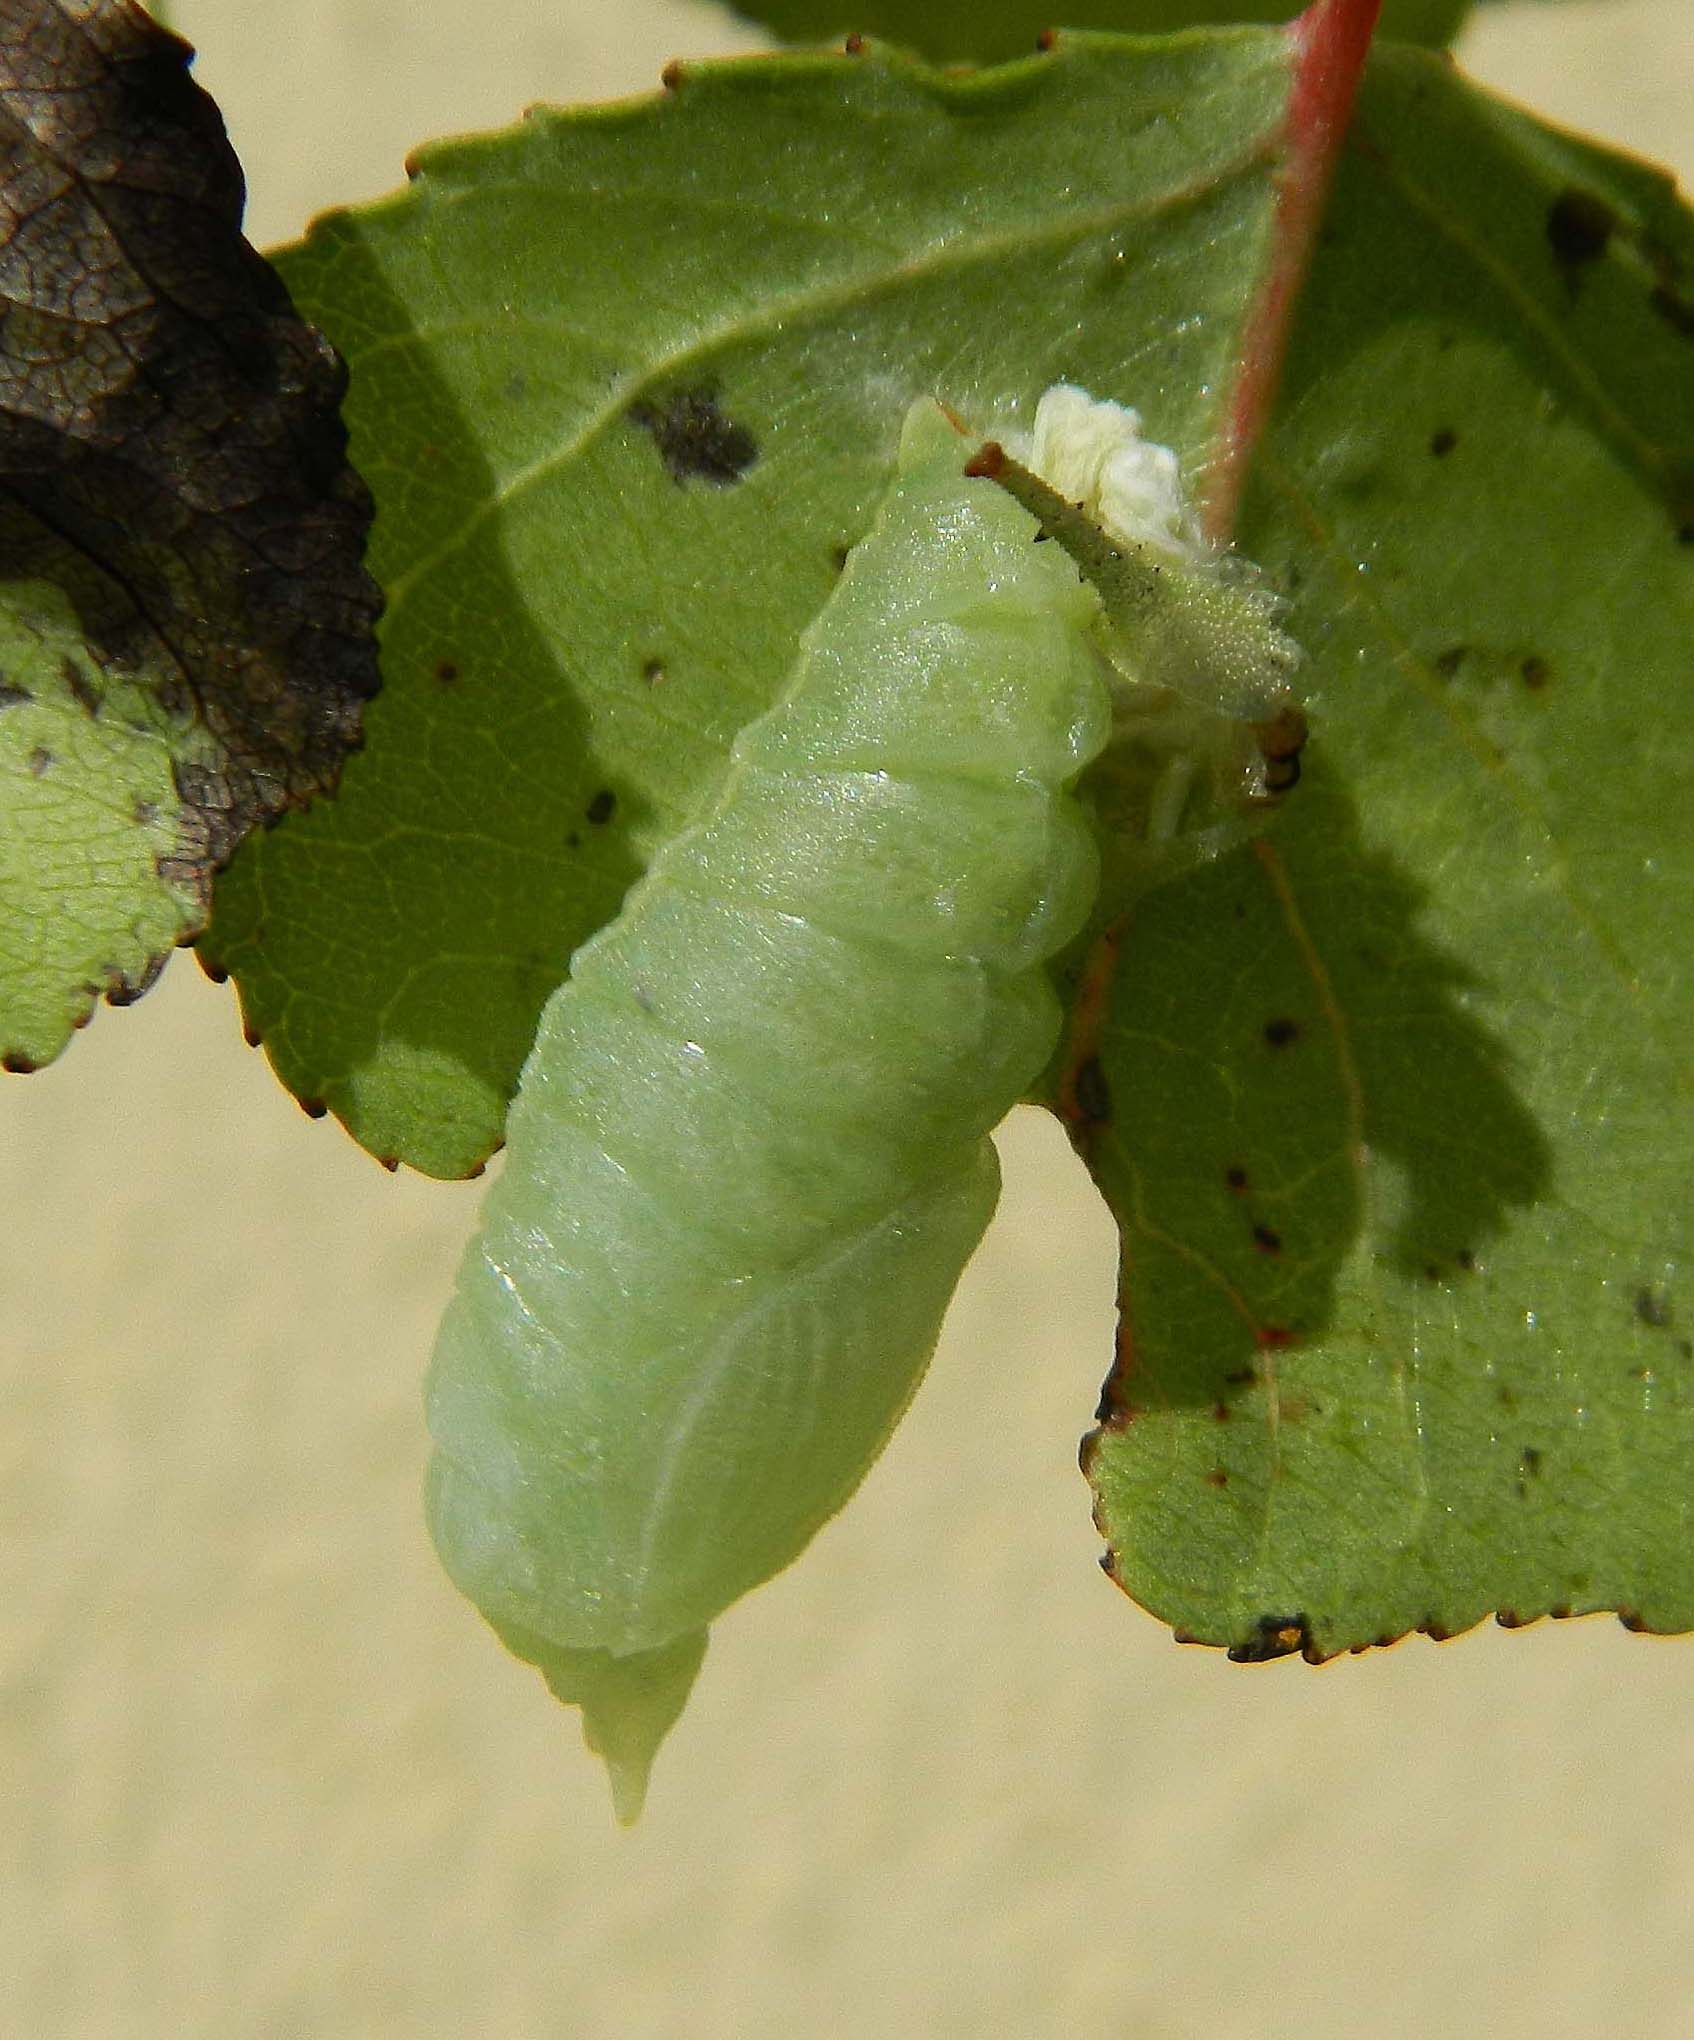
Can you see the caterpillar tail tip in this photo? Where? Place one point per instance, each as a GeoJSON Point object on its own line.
{"type": "Point", "coordinates": [629, 1703]}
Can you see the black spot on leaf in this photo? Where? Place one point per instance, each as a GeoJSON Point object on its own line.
{"type": "Point", "coordinates": [1282, 1033]}
{"type": "Point", "coordinates": [602, 807]}
{"type": "Point", "coordinates": [1536, 673]}
{"type": "Point", "coordinates": [1267, 1239]}
{"type": "Point", "coordinates": [1447, 663]}
{"type": "Point", "coordinates": [1653, 1308]}
{"type": "Point", "coordinates": [1442, 443]}
{"type": "Point", "coordinates": [82, 690]}
{"type": "Point", "coordinates": [11, 694]}
{"type": "Point", "coordinates": [1580, 225]}
{"type": "Point", "coordinates": [41, 761]}
{"type": "Point", "coordinates": [696, 441]}
{"type": "Point", "coordinates": [1093, 1093]}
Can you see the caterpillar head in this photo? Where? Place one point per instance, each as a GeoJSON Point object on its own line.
{"type": "Point", "coordinates": [1208, 734]}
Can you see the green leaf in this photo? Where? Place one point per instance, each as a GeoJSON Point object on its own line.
{"type": "Point", "coordinates": [90, 830]}
{"type": "Point", "coordinates": [185, 628]}
{"type": "Point", "coordinates": [1395, 1108]}
{"type": "Point", "coordinates": [952, 30]}
{"type": "Point", "coordinates": [626, 382]}
{"type": "Point", "coordinates": [1395, 1111]}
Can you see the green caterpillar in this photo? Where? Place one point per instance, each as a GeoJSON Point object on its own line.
{"type": "Point", "coordinates": [749, 1154]}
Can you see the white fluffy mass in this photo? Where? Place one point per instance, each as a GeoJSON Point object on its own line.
{"type": "Point", "coordinates": [1091, 450]}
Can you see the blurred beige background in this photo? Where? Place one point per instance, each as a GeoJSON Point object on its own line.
{"type": "Point", "coordinates": [265, 1775]}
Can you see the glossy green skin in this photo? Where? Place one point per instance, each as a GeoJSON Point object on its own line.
{"type": "Point", "coordinates": [749, 1156]}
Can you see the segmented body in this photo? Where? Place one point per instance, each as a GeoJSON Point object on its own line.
{"type": "Point", "coordinates": [749, 1156]}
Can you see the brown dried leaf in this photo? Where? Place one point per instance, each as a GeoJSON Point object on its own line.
{"type": "Point", "coordinates": [172, 462]}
